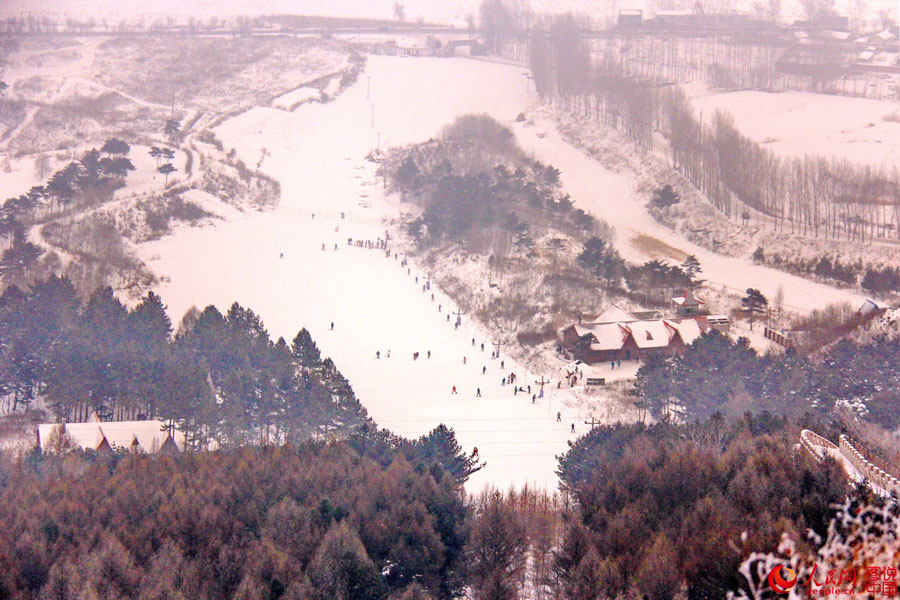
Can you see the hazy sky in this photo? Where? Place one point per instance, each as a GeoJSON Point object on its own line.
{"type": "Point", "coordinates": [436, 11]}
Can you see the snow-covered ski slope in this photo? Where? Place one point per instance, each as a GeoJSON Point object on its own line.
{"type": "Point", "coordinates": [317, 153]}
{"type": "Point", "coordinates": [612, 197]}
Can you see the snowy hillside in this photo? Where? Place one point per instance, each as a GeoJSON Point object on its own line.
{"type": "Point", "coordinates": [317, 153]}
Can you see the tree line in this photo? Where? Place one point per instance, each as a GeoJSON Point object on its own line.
{"type": "Point", "coordinates": [317, 521]}
{"type": "Point", "coordinates": [882, 280]}
{"type": "Point", "coordinates": [643, 511]}
{"type": "Point", "coordinates": [719, 375]}
{"type": "Point", "coordinates": [813, 195]}
{"type": "Point", "coordinates": [220, 378]}
{"type": "Point", "coordinates": [665, 510]}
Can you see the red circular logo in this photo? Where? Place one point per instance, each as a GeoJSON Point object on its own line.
{"type": "Point", "coordinates": [782, 579]}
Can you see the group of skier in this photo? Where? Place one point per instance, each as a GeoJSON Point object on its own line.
{"type": "Point", "coordinates": [378, 244]}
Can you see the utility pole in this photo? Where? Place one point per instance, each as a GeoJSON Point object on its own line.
{"type": "Point", "coordinates": [593, 423]}
{"type": "Point", "coordinates": [368, 86]}
{"type": "Point", "coordinates": [428, 282]}
{"type": "Point", "coordinates": [373, 115]}
{"type": "Point", "coordinates": [498, 344]}
{"type": "Point", "coordinates": [459, 315]}
{"type": "Point", "coordinates": [541, 383]}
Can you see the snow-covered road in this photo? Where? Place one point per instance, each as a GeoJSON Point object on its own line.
{"type": "Point", "coordinates": [317, 153]}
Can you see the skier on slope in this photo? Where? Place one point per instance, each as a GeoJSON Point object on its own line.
{"type": "Point", "coordinates": [378, 354]}
{"type": "Point", "coordinates": [453, 391]}
{"type": "Point", "coordinates": [478, 392]}
{"type": "Point", "coordinates": [483, 370]}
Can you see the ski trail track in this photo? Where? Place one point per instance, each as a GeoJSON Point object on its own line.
{"type": "Point", "coordinates": [318, 154]}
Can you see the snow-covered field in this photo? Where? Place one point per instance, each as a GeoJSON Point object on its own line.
{"type": "Point", "coordinates": [317, 153]}
{"type": "Point", "coordinates": [793, 124]}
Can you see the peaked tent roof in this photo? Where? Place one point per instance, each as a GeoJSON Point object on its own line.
{"type": "Point", "coordinates": [147, 434]}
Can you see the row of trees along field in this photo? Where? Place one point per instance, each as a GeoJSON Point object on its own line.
{"type": "Point", "coordinates": [813, 195]}
{"type": "Point", "coordinates": [652, 512]}
{"type": "Point", "coordinates": [220, 379]}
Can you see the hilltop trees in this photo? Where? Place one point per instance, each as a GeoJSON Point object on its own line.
{"type": "Point", "coordinates": [669, 507]}
{"type": "Point", "coordinates": [317, 521]}
{"type": "Point", "coordinates": [221, 379]}
{"type": "Point", "coordinates": [603, 261]}
{"type": "Point", "coordinates": [705, 379]}
{"type": "Point", "coordinates": [115, 146]}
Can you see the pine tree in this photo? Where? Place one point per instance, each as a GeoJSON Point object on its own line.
{"type": "Point", "coordinates": [691, 268]}
{"type": "Point", "coordinates": [305, 352]}
{"type": "Point", "coordinates": [148, 322]}
{"type": "Point", "coordinates": [439, 446]}
{"type": "Point", "coordinates": [341, 569]}
{"type": "Point", "coordinates": [754, 302]}
{"type": "Point", "coordinates": [665, 197]}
